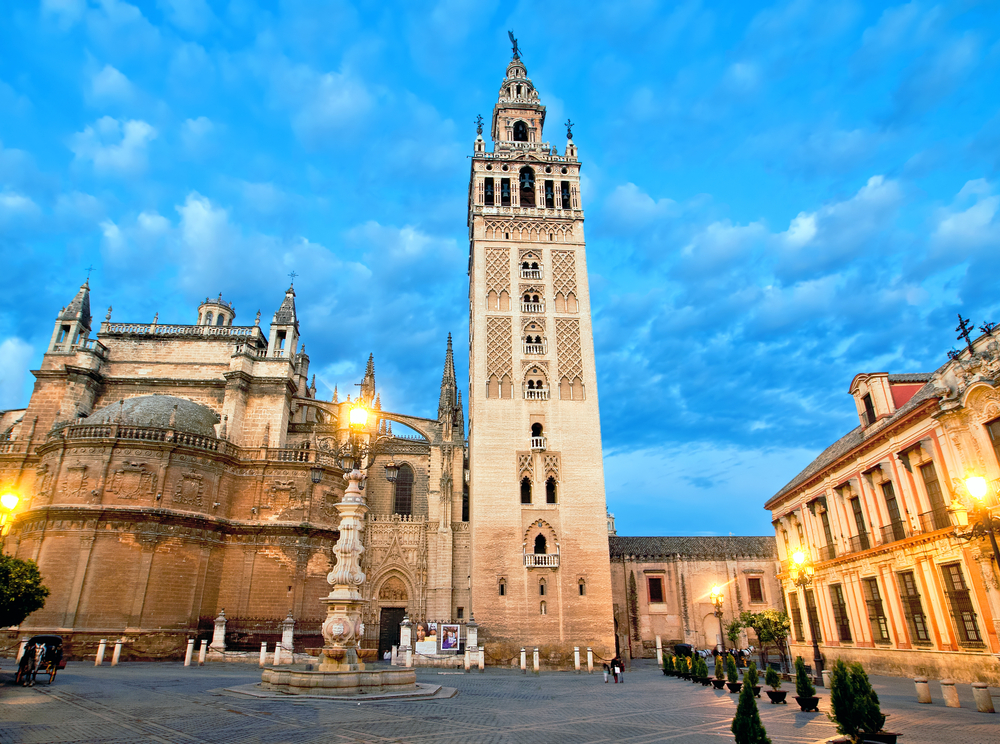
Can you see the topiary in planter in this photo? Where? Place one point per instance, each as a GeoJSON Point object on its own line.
{"type": "Point", "coordinates": [804, 690]}
{"type": "Point", "coordinates": [747, 727]}
{"type": "Point", "coordinates": [734, 683]}
{"type": "Point", "coordinates": [668, 664]}
{"type": "Point", "coordinates": [750, 678]}
{"type": "Point", "coordinates": [854, 705]}
{"type": "Point", "coordinates": [773, 680]}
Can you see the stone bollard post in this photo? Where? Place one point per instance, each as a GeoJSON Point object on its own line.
{"type": "Point", "coordinates": [409, 657]}
{"type": "Point", "coordinates": [590, 660]}
{"type": "Point", "coordinates": [923, 690]}
{"type": "Point", "coordinates": [949, 693]}
{"type": "Point", "coordinates": [101, 648]}
{"type": "Point", "coordinates": [117, 654]}
{"type": "Point", "coordinates": [189, 653]}
{"type": "Point", "coordinates": [263, 654]}
{"type": "Point", "coordinates": [277, 654]}
{"type": "Point", "coordinates": [482, 658]}
{"type": "Point", "coordinates": [659, 652]}
{"type": "Point", "coordinates": [393, 652]}
{"type": "Point", "coordinates": [468, 658]}
{"type": "Point", "coordinates": [203, 653]}
{"type": "Point", "coordinates": [288, 635]}
{"type": "Point", "coordinates": [534, 659]}
{"type": "Point", "coordinates": [576, 658]}
{"type": "Point", "coordinates": [826, 678]}
{"type": "Point", "coordinates": [984, 703]}
{"type": "Point", "coordinates": [524, 666]}
{"type": "Point", "coordinates": [20, 650]}
{"type": "Point", "coordinates": [219, 632]}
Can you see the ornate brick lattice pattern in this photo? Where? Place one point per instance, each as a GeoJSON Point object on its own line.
{"type": "Point", "coordinates": [568, 348]}
{"type": "Point", "coordinates": [551, 465]}
{"type": "Point", "coordinates": [498, 347]}
{"type": "Point", "coordinates": [525, 466]}
{"type": "Point", "coordinates": [564, 272]}
{"type": "Point", "coordinates": [526, 230]}
{"type": "Point", "coordinates": [497, 270]}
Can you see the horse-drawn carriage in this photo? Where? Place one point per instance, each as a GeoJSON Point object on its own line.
{"type": "Point", "coordinates": [42, 654]}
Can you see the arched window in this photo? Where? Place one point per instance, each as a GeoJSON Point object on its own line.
{"type": "Point", "coordinates": [208, 318]}
{"type": "Point", "coordinates": [525, 265]}
{"type": "Point", "coordinates": [531, 384]}
{"type": "Point", "coordinates": [503, 588]}
{"type": "Point", "coordinates": [540, 546]}
{"type": "Point", "coordinates": [534, 298]}
{"type": "Point", "coordinates": [536, 430]}
{"type": "Point", "coordinates": [525, 490]}
{"type": "Point", "coordinates": [527, 298]}
{"type": "Point", "coordinates": [538, 339]}
{"type": "Point", "coordinates": [583, 587]}
{"type": "Point", "coordinates": [541, 587]}
{"type": "Point", "coordinates": [520, 131]}
{"type": "Point", "coordinates": [527, 182]}
{"type": "Point", "coordinates": [542, 608]}
{"type": "Point", "coordinates": [527, 339]}
{"type": "Point", "coordinates": [403, 496]}
{"type": "Point", "coordinates": [220, 320]}
{"type": "Point", "coordinates": [534, 265]}
{"type": "Point", "coordinates": [550, 491]}
{"type": "Point", "coordinates": [465, 503]}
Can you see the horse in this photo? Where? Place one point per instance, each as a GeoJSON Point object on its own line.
{"type": "Point", "coordinates": [36, 660]}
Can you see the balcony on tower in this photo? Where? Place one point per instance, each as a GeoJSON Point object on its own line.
{"type": "Point", "coordinates": [533, 393]}
{"type": "Point", "coordinates": [538, 443]}
{"type": "Point", "coordinates": [530, 347]}
{"type": "Point", "coordinates": [532, 307]}
{"type": "Point", "coordinates": [542, 560]}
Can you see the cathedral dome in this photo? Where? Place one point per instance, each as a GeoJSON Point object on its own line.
{"type": "Point", "coordinates": [160, 411]}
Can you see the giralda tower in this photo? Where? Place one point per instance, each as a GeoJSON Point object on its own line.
{"type": "Point", "coordinates": [540, 566]}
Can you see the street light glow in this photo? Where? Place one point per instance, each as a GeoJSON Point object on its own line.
{"type": "Point", "coordinates": [359, 416]}
{"type": "Point", "coordinates": [9, 500]}
{"type": "Point", "coordinates": [799, 557]}
{"type": "Point", "coordinates": [977, 486]}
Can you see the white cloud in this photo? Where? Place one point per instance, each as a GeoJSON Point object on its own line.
{"type": "Point", "coordinates": [15, 206]}
{"type": "Point", "coordinates": [193, 16]}
{"type": "Point", "coordinates": [65, 12]}
{"type": "Point", "coordinates": [196, 133]}
{"type": "Point", "coordinates": [327, 103]}
{"type": "Point", "coordinates": [628, 204]}
{"type": "Point", "coordinates": [975, 225]}
{"type": "Point", "coordinates": [110, 85]}
{"type": "Point", "coordinates": [77, 205]}
{"type": "Point", "coordinates": [801, 230]}
{"type": "Point", "coordinates": [114, 147]}
{"type": "Point", "coordinates": [15, 359]}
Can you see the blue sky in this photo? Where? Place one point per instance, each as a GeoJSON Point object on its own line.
{"type": "Point", "coordinates": [778, 196]}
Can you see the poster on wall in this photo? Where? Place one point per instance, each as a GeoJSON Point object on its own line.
{"type": "Point", "coordinates": [449, 638]}
{"type": "Point", "coordinates": [426, 638]}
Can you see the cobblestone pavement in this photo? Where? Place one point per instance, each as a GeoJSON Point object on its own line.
{"type": "Point", "coordinates": [166, 702]}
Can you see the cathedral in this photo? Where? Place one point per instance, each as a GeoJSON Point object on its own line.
{"type": "Point", "coordinates": [172, 471]}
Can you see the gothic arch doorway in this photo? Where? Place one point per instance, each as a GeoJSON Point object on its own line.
{"type": "Point", "coordinates": [392, 607]}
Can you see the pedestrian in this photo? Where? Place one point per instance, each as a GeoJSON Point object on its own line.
{"type": "Point", "coordinates": [607, 670]}
{"type": "Point", "coordinates": [616, 668]}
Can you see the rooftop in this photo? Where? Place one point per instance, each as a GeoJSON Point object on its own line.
{"type": "Point", "coordinates": [743, 546]}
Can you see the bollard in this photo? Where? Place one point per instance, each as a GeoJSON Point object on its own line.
{"type": "Point", "coordinates": [923, 690]}
{"type": "Point", "coordinates": [203, 652]}
{"type": "Point", "coordinates": [117, 654]}
{"type": "Point", "coordinates": [534, 659]}
{"type": "Point", "coordinates": [468, 659]}
{"type": "Point", "coordinates": [981, 692]}
{"type": "Point", "coordinates": [576, 658]}
{"type": "Point", "coordinates": [277, 654]}
{"type": "Point", "coordinates": [659, 652]}
{"type": "Point", "coordinates": [189, 653]}
{"type": "Point", "coordinates": [949, 693]}
{"type": "Point", "coordinates": [101, 648]}
{"type": "Point", "coordinates": [409, 657]}
{"type": "Point", "coordinates": [590, 660]}
{"type": "Point", "coordinates": [263, 654]}
{"type": "Point", "coordinates": [20, 650]}
{"type": "Point", "coordinates": [482, 658]}
{"type": "Point", "coordinates": [826, 678]}
{"type": "Point", "coordinates": [524, 666]}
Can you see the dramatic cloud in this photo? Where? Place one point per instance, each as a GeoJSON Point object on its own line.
{"type": "Point", "coordinates": [114, 147]}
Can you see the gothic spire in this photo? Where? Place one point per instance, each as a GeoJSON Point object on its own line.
{"type": "Point", "coordinates": [286, 313]}
{"type": "Point", "coordinates": [368, 383]}
{"type": "Point", "coordinates": [446, 401]}
{"type": "Point", "coordinates": [79, 308]}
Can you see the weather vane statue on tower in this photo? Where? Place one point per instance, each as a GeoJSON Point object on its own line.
{"type": "Point", "coordinates": [517, 52]}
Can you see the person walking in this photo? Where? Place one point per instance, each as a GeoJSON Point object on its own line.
{"type": "Point", "coordinates": [607, 670]}
{"type": "Point", "coordinates": [616, 668]}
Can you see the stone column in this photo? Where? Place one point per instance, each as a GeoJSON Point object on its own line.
{"type": "Point", "coordinates": [288, 635]}
{"type": "Point", "coordinates": [984, 703]}
{"type": "Point", "coordinates": [482, 658]}
{"type": "Point", "coordinates": [117, 654]}
{"type": "Point", "coordinates": [189, 653]}
{"type": "Point", "coordinates": [344, 604]}
{"type": "Point", "coordinates": [576, 658]}
{"type": "Point", "coordinates": [468, 657]}
{"type": "Point", "coordinates": [202, 653]}
{"type": "Point", "coordinates": [659, 652]}
{"type": "Point", "coordinates": [100, 652]}
{"type": "Point", "coordinates": [263, 654]}
{"type": "Point", "coordinates": [524, 666]}
{"type": "Point", "coordinates": [219, 633]}
{"type": "Point", "coordinates": [471, 632]}
{"type": "Point", "coordinates": [923, 690]}
{"type": "Point", "coordinates": [949, 693]}
{"type": "Point", "coordinates": [534, 659]}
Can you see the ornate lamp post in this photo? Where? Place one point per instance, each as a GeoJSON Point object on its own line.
{"type": "Point", "coordinates": [717, 597]}
{"type": "Point", "coordinates": [801, 571]}
{"type": "Point", "coordinates": [343, 629]}
{"type": "Point", "coordinates": [985, 523]}
{"type": "Point", "coordinates": [7, 504]}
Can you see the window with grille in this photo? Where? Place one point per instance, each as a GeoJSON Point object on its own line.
{"type": "Point", "coordinates": [859, 521]}
{"type": "Point", "coordinates": [564, 195]}
{"type": "Point", "coordinates": [830, 551]}
{"type": "Point", "coordinates": [866, 400]}
{"type": "Point", "coordinates": [993, 429]}
{"type": "Point", "coordinates": [876, 612]}
{"type": "Point", "coordinates": [403, 500]}
{"type": "Point", "coordinates": [793, 603]}
{"type": "Point", "coordinates": [840, 618]}
{"type": "Point", "coordinates": [913, 609]}
{"type": "Point", "coordinates": [939, 512]}
{"type": "Point", "coordinates": [655, 590]}
{"type": "Point", "coordinates": [488, 192]}
{"type": "Point", "coordinates": [961, 605]}
{"type": "Point", "coordinates": [813, 616]}
{"type": "Point", "coordinates": [755, 588]}
{"type": "Point", "coordinates": [895, 529]}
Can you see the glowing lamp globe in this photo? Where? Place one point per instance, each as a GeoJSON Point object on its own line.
{"type": "Point", "coordinates": [977, 486]}
{"type": "Point", "coordinates": [359, 416]}
{"type": "Point", "coordinates": [9, 500]}
{"type": "Point", "coordinates": [798, 557]}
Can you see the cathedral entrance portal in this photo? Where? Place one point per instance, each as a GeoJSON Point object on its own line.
{"type": "Point", "coordinates": [388, 634]}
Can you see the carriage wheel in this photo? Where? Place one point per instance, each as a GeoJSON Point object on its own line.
{"type": "Point", "coordinates": [18, 675]}
{"type": "Point", "coordinates": [53, 668]}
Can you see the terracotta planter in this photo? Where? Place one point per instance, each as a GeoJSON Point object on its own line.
{"type": "Point", "coordinates": [777, 696]}
{"type": "Point", "coordinates": [881, 736]}
{"type": "Point", "coordinates": [719, 683]}
{"type": "Point", "coordinates": [808, 704]}
{"type": "Point", "coordinates": [734, 686]}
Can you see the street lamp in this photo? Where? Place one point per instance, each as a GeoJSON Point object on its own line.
{"type": "Point", "coordinates": [985, 523]}
{"type": "Point", "coordinates": [801, 571]}
{"type": "Point", "coordinates": [7, 503]}
{"type": "Point", "coordinates": [717, 598]}
{"type": "Point", "coordinates": [359, 452]}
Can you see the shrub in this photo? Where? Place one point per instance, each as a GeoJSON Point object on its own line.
{"type": "Point", "coordinates": [854, 705]}
{"type": "Point", "coordinates": [747, 727]}
{"type": "Point", "coordinates": [720, 667]}
{"type": "Point", "coordinates": [21, 590]}
{"type": "Point", "coordinates": [668, 663]}
{"type": "Point", "coordinates": [803, 687]}
{"type": "Point", "coordinates": [750, 675]}
{"type": "Point", "coordinates": [772, 679]}
{"type": "Point", "coordinates": [702, 668]}
{"type": "Point", "coordinates": [731, 674]}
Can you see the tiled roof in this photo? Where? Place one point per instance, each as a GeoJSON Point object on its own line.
{"type": "Point", "coordinates": [857, 436]}
{"type": "Point", "coordinates": [762, 546]}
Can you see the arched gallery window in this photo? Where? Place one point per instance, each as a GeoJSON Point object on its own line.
{"type": "Point", "coordinates": [520, 131]}
{"type": "Point", "coordinates": [540, 545]}
{"type": "Point", "coordinates": [550, 491]}
{"type": "Point", "coordinates": [525, 491]}
{"type": "Point", "coordinates": [403, 496]}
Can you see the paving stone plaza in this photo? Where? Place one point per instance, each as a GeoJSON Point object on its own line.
{"type": "Point", "coordinates": [166, 702]}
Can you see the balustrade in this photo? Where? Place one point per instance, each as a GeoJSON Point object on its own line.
{"type": "Point", "coordinates": [935, 519]}
{"type": "Point", "coordinates": [532, 307]}
{"type": "Point", "coordinates": [531, 273]}
{"type": "Point", "coordinates": [536, 393]}
{"type": "Point", "coordinates": [533, 348]}
{"type": "Point", "coordinates": [894, 532]}
{"type": "Point", "coordinates": [538, 443]}
{"type": "Point", "coordinates": [151, 329]}
{"type": "Point", "coordinates": [857, 543]}
{"type": "Point", "coordinates": [541, 560]}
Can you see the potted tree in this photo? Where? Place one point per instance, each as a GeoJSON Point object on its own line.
{"type": "Point", "coordinates": [773, 680]}
{"type": "Point", "coordinates": [703, 672]}
{"type": "Point", "coordinates": [805, 693]}
{"type": "Point", "coordinates": [750, 678]}
{"type": "Point", "coordinates": [684, 667]}
{"type": "Point", "coordinates": [747, 727]}
{"type": "Point", "coordinates": [668, 665]}
{"type": "Point", "coordinates": [734, 683]}
{"type": "Point", "coordinates": [771, 628]}
{"type": "Point", "coordinates": [720, 673]}
{"type": "Point", "coordinates": [695, 667]}
{"type": "Point", "coordinates": [854, 705]}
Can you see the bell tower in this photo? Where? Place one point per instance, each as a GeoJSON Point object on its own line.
{"type": "Point", "coordinates": [540, 566]}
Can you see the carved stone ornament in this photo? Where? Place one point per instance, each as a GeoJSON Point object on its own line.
{"type": "Point", "coordinates": [75, 483]}
{"type": "Point", "coordinates": [189, 490]}
{"type": "Point", "coordinates": [132, 481]}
